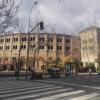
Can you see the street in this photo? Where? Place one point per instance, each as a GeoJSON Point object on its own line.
{"type": "Point", "coordinates": [85, 87]}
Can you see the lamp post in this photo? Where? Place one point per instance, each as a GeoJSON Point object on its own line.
{"type": "Point", "coordinates": [29, 31]}
{"type": "Point", "coordinates": [35, 3]}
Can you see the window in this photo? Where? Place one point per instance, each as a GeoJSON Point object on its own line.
{"type": "Point", "coordinates": [8, 40]}
{"type": "Point", "coordinates": [32, 46]}
{"type": "Point", "coordinates": [91, 48]}
{"type": "Point", "coordinates": [67, 48]}
{"type": "Point", "coordinates": [41, 47]}
{"type": "Point", "coordinates": [24, 39]}
{"type": "Point", "coordinates": [84, 41]}
{"type": "Point", "coordinates": [84, 48]}
{"type": "Point", "coordinates": [0, 60]}
{"type": "Point", "coordinates": [32, 39]}
{"type": "Point", "coordinates": [50, 39]}
{"type": "Point", "coordinates": [59, 48]}
{"type": "Point", "coordinates": [1, 40]}
{"type": "Point", "coordinates": [41, 39]}
{"type": "Point", "coordinates": [23, 46]}
{"type": "Point", "coordinates": [16, 39]}
{"type": "Point", "coordinates": [59, 40]}
{"type": "Point", "coordinates": [1, 48]}
{"type": "Point", "coordinates": [7, 47]}
{"type": "Point", "coordinates": [67, 40]}
{"type": "Point", "coordinates": [14, 46]}
{"type": "Point", "coordinates": [50, 47]}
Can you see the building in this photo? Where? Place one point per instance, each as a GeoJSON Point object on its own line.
{"type": "Point", "coordinates": [38, 49]}
{"type": "Point", "coordinates": [76, 47]}
{"type": "Point", "coordinates": [90, 46]}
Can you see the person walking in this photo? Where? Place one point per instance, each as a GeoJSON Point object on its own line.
{"type": "Point", "coordinates": [32, 73]}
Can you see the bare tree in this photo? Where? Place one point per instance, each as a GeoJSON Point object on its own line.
{"type": "Point", "coordinates": [8, 15]}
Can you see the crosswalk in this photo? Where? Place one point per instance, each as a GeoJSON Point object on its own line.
{"type": "Point", "coordinates": [34, 90]}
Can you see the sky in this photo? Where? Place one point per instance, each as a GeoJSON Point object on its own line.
{"type": "Point", "coordinates": [60, 16]}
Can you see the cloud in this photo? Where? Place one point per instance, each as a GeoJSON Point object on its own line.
{"type": "Point", "coordinates": [64, 15]}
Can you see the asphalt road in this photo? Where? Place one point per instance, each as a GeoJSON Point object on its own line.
{"type": "Point", "coordinates": [68, 88]}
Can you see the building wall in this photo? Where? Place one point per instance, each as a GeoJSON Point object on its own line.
{"type": "Point", "coordinates": [44, 48]}
{"type": "Point", "coordinates": [90, 45]}
{"type": "Point", "coordinates": [76, 47]}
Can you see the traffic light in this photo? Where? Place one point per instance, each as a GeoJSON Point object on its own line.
{"type": "Point", "coordinates": [41, 25]}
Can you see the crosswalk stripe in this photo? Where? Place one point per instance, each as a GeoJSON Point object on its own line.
{"type": "Point", "coordinates": [39, 94]}
{"type": "Point", "coordinates": [72, 84]}
{"type": "Point", "coordinates": [31, 91]}
{"type": "Point", "coordinates": [23, 89]}
{"type": "Point", "coordinates": [17, 87]}
{"type": "Point", "coordinates": [10, 87]}
{"type": "Point", "coordinates": [20, 86]}
{"type": "Point", "coordinates": [85, 97]}
{"type": "Point", "coordinates": [61, 95]}
{"type": "Point", "coordinates": [17, 84]}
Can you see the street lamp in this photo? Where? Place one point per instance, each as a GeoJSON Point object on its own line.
{"type": "Point", "coordinates": [29, 31]}
{"type": "Point", "coordinates": [35, 3]}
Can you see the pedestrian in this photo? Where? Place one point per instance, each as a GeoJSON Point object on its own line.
{"type": "Point", "coordinates": [17, 71]}
{"type": "Point", "coordinates": [32, 73]}
{"type": "Point", "coordinates": [90, 71]}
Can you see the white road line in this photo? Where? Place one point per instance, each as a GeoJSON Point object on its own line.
{"type": "Point", "coordinates": [38, 94]}
{"type": "Point", "coordinates": [85, 97]}
{"type": "Point", "coordinates": [19, 86]}
{"type": "Point", "coordinates": [31, 91]}
{"type": "Point", "coordinates": [61, 95]}
{"type": "Point", "coordinates": [14, 87]}
{"type": "Point", "coordinates": [24, 89]}
{"type": "Point", "coordinates": [73, 84]}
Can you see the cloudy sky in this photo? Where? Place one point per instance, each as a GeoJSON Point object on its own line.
{"type": "Point", "coordinates": [61, 16]}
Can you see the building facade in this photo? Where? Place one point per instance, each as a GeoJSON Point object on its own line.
{"type": "Point", "coordinates": [33, 50]}
{"type": "Point", "coordinates": [90, 46]}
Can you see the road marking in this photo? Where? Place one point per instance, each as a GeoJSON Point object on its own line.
{"type": "Point", "coordinates": [61, 95]}
{"type": "Point", "coordinates": [85, 97]}
{"type": "Point", "coordinates": [38, 94]}
{"type": "Point", "coordinates": [31, 91]}
{"type": "Point", "coordinates": [10, 87]}
{"type": "Point", "coordinates": [18, 86]}
{"type": "Point", "coordinates": [73, 84]}
{"type": "Point", "coordinates": [23, 89]}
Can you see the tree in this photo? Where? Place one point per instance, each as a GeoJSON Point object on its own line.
{"type": "Point", "coordinates": [58, 62]}
{"type": "Point", "coordinates": [22, 62]}
{"type": "Point", "coordinates": [31, 61]}
{"type": "Point", "coordinates": [98, 63]}
{"type": "Point", "coordinates": [43, 67]}
{"type": "Point", "coordinates": [8, 15]}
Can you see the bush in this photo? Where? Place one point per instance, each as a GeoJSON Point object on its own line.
{"type": "Point", "coordinates": [92, 67]}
